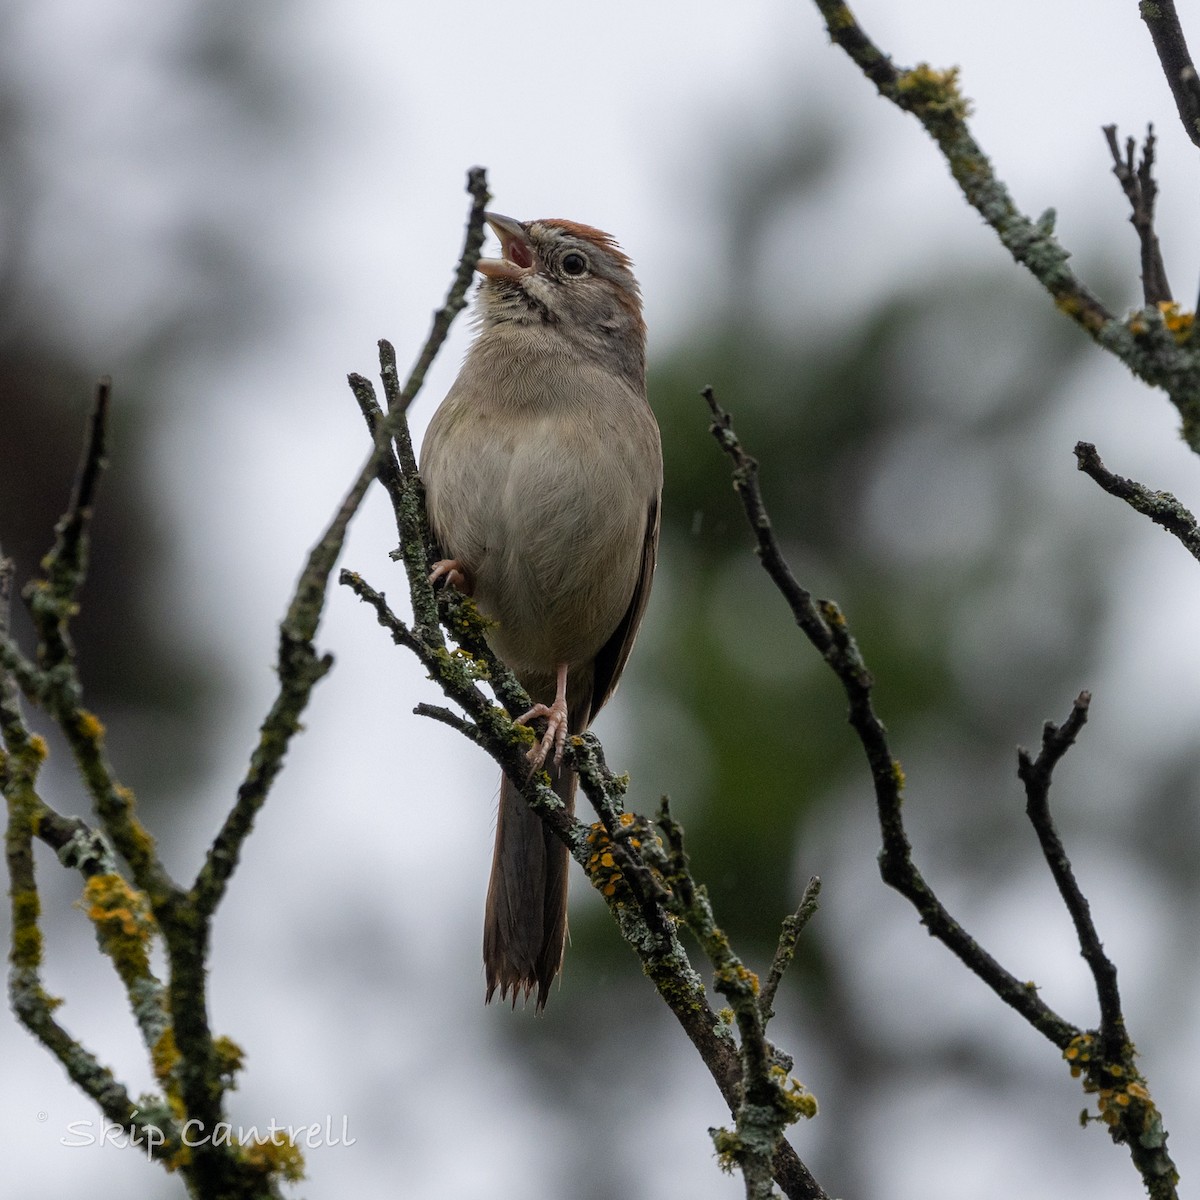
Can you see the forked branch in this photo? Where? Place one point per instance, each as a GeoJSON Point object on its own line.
{"type": "Point", "coordinates": [1137, 182]}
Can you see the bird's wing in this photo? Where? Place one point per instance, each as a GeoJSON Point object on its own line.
{"type": "Point", "coordinates": [614, 654]}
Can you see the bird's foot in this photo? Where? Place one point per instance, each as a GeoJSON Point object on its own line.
{"type": "Point", "coordinates": [453, 572]}
{"type": "Point", "coordinates": [555, 737]}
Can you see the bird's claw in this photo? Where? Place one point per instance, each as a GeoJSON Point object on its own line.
{"type": "Point", "coordinates": [555, 737]}
{"type": "Point", "coordinates": [453, 572]}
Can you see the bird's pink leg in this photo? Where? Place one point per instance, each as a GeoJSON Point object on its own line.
{"type": "Point", "coordinates": [556, 723]}
{"type": "Point", "coordinates": [454, 573]}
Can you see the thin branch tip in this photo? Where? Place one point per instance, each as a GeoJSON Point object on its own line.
{"type": "Point", "coordinates": [1161, 507]}
{"type": "Point", "coordinates": [1137, 182]}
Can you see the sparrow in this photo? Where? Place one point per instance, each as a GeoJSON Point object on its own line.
{"type": "Point", "coordinates": [543, 476]}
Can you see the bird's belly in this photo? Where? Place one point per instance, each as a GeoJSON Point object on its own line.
{"type": "Point", "coordinates": [562, 555]}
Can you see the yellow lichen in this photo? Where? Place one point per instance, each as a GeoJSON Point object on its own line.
{"type": "Point", "coordinates": [746, 976]}
{"type": "Point", "coordinates": [89, 725]}
{"type": "Point", "coordinates": [933, 92]}
{"type": "Point", "coordinates": [123, 922]}
{"type": "Point", "coordinates": [280, 1157]}
{"type": "Point", "coordinates": [26, 936]}
{"type": "Point", "coordinates": [1177, 321]}
{"type": "Point", "coordinates": [800, 1103]}
{"type": "Point", "coordinates": [1080, 1048]}
{"type": "Point", "coordinates": [165, 1055]}
{"type": "Point", "coordinates": [728, 1147]}
{"type": "Point", "coordinates": [834, 615]}
{"type": "Point", "coordinates": [840, 18]}
{"type": "Point", "coordinates": [230, 1059]}
{"type": "Point", "coordinates": [1136, 325]}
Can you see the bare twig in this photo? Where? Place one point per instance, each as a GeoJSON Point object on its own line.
{"type": "Point", "coordinates": [785, 951]}
{"type": "Point", "coordinates": [745, 482]}
{"type": "Point", "coordinates": [52, 601]}
{"type": "Point", "coordinates": [1163, 22]}
{"type": "Point", "coordinates": [1035, 774]}
{"type": "Point", "coordinates": [389, 468]}
{"type": "Point", "coordinates": [1107, 1058]}
{"type": "Point", "coordinates": [1161, 507]}
{"type": "Point", "coordinates": [456, 300]}
{"type": "Point", "coordinates": [438, 712]}
{"type": "Point", "coordinates": [1139, 187]}
{"type": "Point", "coordinates": [66, 564]}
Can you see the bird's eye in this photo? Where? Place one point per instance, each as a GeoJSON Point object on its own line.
{"type": "Point", "coordinates": [574, 264]}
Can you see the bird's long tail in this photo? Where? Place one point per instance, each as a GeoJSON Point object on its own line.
{"type": "Point", "coordinates": [525, 922]}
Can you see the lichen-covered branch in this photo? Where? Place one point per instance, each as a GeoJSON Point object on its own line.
{"type": "Point", "coordinates": [125, 915]}
{"type": "Point", "coordinates": [21, 758]}
{"type": "Point", "coordinates": [388, 471]}
{"type": "Point", "coordinates": [1157, 347]}
{"type": "Point", "coordinates": [1106, 1058]}
{"type": "Point", "coordinates": [615, 852]}
{"type": "Point", "coordinates": [620, 852]}
{"type": "Point", "coordinates": [769, 1100]}
{"type": "Point", "coordinates": [1161, 507]}
{"type": "Point", "coordinates": [785, 951]}
{"type": "Point", "coordinates": [192, 1068]}
{"type": "Point", "coordinates": [52, 600]}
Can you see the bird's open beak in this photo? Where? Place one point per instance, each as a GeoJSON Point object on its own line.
{"type": "Point", "coordinates": [518, 257]}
